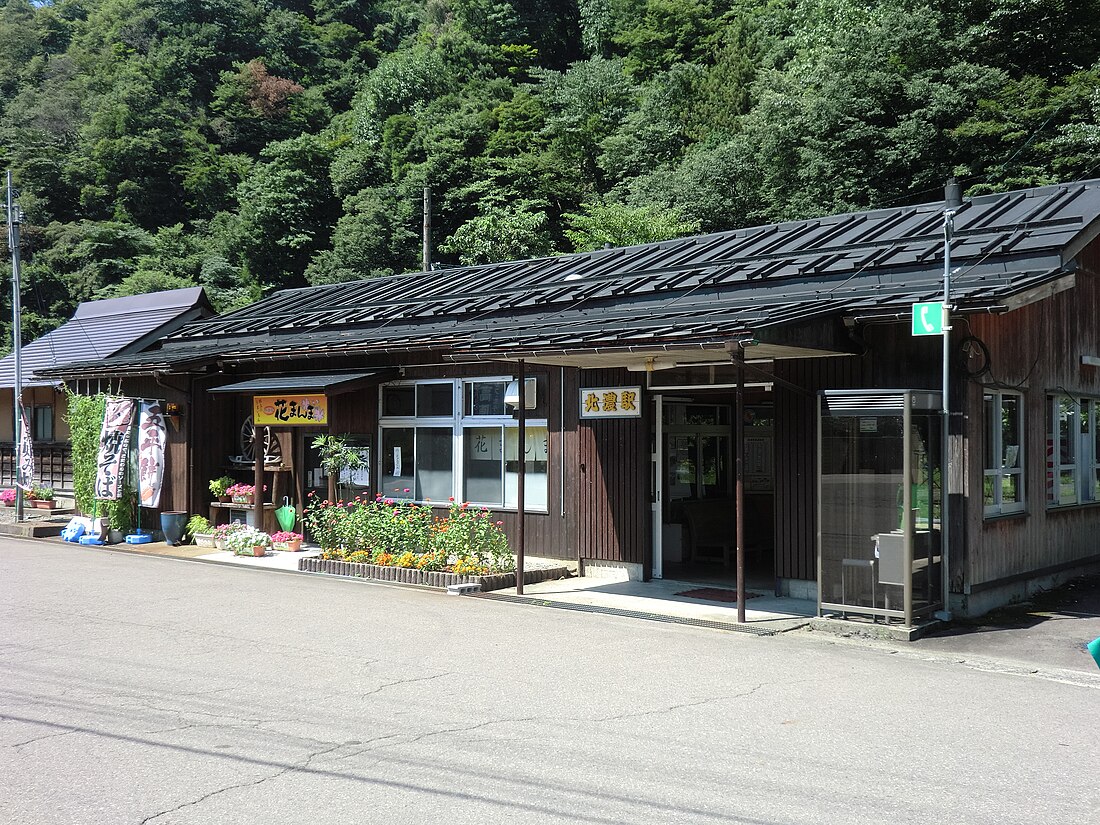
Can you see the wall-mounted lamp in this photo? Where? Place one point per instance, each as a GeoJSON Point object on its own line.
{"type": "Point", "coordinates": [511, 394]}
{"type": "Point", "coordinates": [173, 412]}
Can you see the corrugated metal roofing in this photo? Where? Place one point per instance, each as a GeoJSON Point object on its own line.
{"type": "Point", "coordinates": [688, 290]}
{"type": "Point", "coordinates": [331, 382]}
{"type": "Point", "coordinates": [99, 329]}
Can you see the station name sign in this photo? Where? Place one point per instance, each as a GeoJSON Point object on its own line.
{"type": "Point", "coordinates": [289, 410]}
{"type": "Point", "coordinates": [611, 402]}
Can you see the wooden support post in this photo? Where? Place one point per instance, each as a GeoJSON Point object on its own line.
{"type": "Point", "coordinates": [258, 496]}
{"type": "Point", "coordinates": [739, 489]}
{"type": "Point", "coordinates": [522, 447]}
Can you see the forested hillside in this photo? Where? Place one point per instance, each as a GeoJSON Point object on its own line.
{"type": "Point", "coordinates": [248, 145]}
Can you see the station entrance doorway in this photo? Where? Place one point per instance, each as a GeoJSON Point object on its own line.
{"type": "Point", "coordinates": [694, 470]}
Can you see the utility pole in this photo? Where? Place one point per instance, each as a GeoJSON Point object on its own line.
{"type": "Point", "coordinates": [427, 231]}
{"type": "Point", "coordinates": [952, 202]}
{"type": "Point", "coordinates": [16, 332]}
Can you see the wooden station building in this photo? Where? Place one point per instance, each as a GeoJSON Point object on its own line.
{"type": "Point", "coordinates": [650, 370]}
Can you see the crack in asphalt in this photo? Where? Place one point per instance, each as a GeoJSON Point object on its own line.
{"type": "Point", "coordinates": [670, 708]}
{"type": "Point", "coordinates": [44, 736]}
{"type": "Point", "coordinates": [305, 763]}
{"type": "Point", "coordinates": [380, 688]}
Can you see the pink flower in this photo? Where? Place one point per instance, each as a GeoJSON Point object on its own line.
{"type": "Point", "coordinates": [406, 490]}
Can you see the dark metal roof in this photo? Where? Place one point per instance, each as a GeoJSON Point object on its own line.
{"type": "Point", "coordinates": [99, 329]}
{"type": "Point", "coordinates": [697, 291]}
{"type": "Point", "coordinates": [330, 384]}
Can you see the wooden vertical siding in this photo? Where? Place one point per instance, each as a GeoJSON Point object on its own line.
{"type": "Point", "coordinates": [614, 471]}
{"type": "Point", "coordinates": [796, 456]}
{"type": "Point", "coordinates": [177, 471]}
{"type": "Point", "coordinates": [1036, 349]}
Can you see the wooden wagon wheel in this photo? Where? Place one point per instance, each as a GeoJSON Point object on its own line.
{"type": "Point", "coordinates": [272, 450]}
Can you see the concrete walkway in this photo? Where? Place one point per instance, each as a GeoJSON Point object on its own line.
{"type": "Point", "coordinates": [666, 597]}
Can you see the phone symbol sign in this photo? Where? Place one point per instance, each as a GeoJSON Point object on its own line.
{"type": "Point", "coordinates": [928, 318]}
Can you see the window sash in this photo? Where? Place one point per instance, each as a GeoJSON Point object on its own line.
{"type": "Point", "coordinates": [1003, 475]}
{"type": "Point", "coordinates": [1073, 450]}
{"type": "Point", "coordinates": [471, 418]}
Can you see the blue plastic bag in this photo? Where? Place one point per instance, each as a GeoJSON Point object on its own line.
{"type": "Point", "coordinates": [73, 530]}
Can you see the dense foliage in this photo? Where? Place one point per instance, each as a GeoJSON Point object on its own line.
{"type": "Point", "coordinates": [84, 415]}
{"type": "Point", "coordinates": [257, 144]}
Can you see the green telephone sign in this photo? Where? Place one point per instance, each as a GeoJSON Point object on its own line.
{"type": "Point", "coordinates": [928, 318]}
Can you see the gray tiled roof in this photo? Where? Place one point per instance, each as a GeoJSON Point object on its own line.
{"type": "Point", "coordinates": [100, 329]}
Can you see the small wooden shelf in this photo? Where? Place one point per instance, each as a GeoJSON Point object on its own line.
{"type": "Point", "coordinates": [220, 513]}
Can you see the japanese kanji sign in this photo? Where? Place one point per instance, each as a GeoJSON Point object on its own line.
{"type": "Point", "coordinates": [289, 410]}
{"type": "Point", "coordinates": [611, 402]}
{"type": "Point", "coordinates": [114, 446]}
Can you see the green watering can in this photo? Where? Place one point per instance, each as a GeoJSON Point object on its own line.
{"type": "Point", "coordinates": [286, 515]}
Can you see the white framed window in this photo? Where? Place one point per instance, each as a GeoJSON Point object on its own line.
{"type": "Point", "coordinates": [1073, 450]}
{"type": "Point", "coordinates": [1003, 474]}
{"type": "Point", "coordinates": [457, 438]}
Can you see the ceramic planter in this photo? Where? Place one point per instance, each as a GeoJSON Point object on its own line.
{"type": "Point", "coordinates": [173, 524]}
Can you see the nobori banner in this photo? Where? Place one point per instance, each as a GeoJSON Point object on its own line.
{"type": "Point", "coordinates": [289, 410]}
{"type": "Point", "coordinates": [611, 402]}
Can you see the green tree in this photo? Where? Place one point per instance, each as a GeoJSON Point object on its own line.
{"type": "Point", "coordinates": [501, 233]}
{"type": "Point", "coordinates": [614, 224]}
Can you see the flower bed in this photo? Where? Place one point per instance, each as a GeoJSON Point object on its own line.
{"type": "Point", "coordinates": [427, 578]}
{"type": "Point", "coordinates": [386, 533]}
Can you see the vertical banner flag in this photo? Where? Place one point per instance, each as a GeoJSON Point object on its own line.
{"type": "Point", "coordinates": [151, 438]}
{"type": "Point", "coordinates": [26, 451]}
{"type": "Point", "coordinates": [114, 442]}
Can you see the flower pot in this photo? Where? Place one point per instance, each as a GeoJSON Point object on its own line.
{"type": "Point", "coordinates": [173, 524]}
{"type": "Point", "coordinates": [219, 543]}
{"type": "Point", "coordinates": [259, 550]}
{"type": "Point", "coordinates": [44, 504]}
{"type": "Point", "coordinates": [225, 499]}
{"type": "Point", "coordinates": [204, 540]}
{"type": "Point", "coordinates": [294, 546]}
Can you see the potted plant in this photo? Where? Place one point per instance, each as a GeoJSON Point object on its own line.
{"type": "Point", "coordinates": [7, 497]}
{"type": "Point", "coordinates": [200, 531]}
{"type": "Point", "coordinates": [223, 531]}
{"type": "Point", "coordinates": [42, 497]}
{"type": "Point", "coordinates": [248, 542]}
{"type": "Point", "coordinates": [287, 540]}
{"type": "Point", "coordinates": [219, 487]}
{"type": "Point", "coordinates": [243, 493]}
{"type": "Point", "coordinates": [336, 457]}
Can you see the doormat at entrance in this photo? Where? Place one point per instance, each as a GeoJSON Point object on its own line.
{"type": "Point", "coordinates": [715, 594]}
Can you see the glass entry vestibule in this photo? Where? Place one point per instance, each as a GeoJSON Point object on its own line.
{"type": "Point", "coordinates": [879, 503]}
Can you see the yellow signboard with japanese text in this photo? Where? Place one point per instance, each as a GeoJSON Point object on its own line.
{"type": "Point", "coordinates": [611, 402]}
{"type": "Point", "coordinates": [289, 410]}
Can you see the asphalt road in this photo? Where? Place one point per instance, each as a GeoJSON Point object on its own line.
{"type": "Point", "coordinates": [155, 690]}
